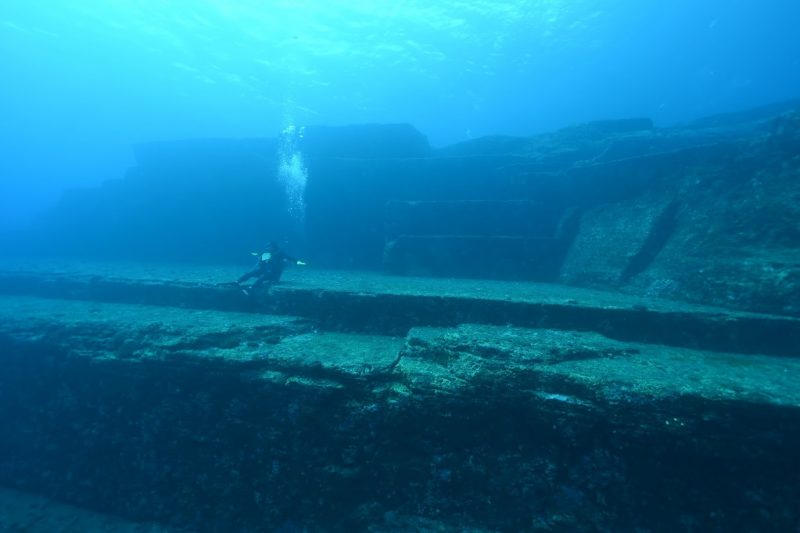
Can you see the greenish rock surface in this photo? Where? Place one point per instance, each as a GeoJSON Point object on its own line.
{"type": "Point", "coordinates": [368, 302]}
{"type": "Point", "coordinates": [560, 363]}
{"type": "Point", "coordinates": [213, 419]}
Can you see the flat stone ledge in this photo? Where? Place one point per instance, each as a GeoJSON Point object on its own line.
{"type": "Point", "coordinates": [390, 305]}
{"type": "Point", "coordinates": [269, 417]}
{"type": "Point", "coordinates": [285, 350]}
{"type": "Point", "coordinates": [587, 368]}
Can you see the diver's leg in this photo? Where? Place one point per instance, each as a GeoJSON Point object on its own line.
{"type": "Point", "coordinates": [255, 273]}
{"type": "Point", "coordinates": [265, 281]}
{"type": "Point", "coordinates": [247, 275]}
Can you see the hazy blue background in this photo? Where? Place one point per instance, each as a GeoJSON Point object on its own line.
{"type": "Point", "coordinates": [80, 80]}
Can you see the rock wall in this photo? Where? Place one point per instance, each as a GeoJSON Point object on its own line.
{"type": "Point", "coordinates": [705, 212]}
{"type": "Point", "coordinates": [718, 224]}
{"type": "Point", "coordinates": [188, 200]}
{"type": "Point", "coordinates": [363, 408]}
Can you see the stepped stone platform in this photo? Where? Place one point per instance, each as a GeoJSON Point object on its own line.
{"type": "Point", "coordinates": [345, 401]}
{"type": "Point", "coordinates": [371, 302]}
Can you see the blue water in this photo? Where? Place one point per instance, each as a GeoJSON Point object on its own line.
{"type": "Point", "coordinates": [83, 79]}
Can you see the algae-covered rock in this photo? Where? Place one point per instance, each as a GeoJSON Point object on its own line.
{"type": "Point", "coordinates": [217, 420]}
{"type": "Point", "coordinates": [594, 368]}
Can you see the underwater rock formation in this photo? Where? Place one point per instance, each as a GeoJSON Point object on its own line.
{"type": "Point", "coordinates": [705, 212]}
{"type": "Point", "coordinates": [185, 403]}
{"type": "Point", "coordinates": [717, 224]}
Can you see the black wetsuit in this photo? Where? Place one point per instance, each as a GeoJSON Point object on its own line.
{"type": "Point", "coordinates": [269, 268]}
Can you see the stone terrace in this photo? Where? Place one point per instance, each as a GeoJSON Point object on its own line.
{"type": "Point", "coordinates": [352, 401]}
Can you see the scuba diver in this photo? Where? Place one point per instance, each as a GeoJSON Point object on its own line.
{"type": "Point", "coordinates": [269, 267]}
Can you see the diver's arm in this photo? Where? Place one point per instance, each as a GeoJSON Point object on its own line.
{"type": "Point", "coordinates": [289, 259]}
{"type": "Point", "coordinates": [257, 255]}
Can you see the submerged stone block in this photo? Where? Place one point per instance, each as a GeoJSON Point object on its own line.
{"type": "Point", "coordinates": [215, 200]}
{"type": "Point", "coordinates": [391, 305]}
{"type": "Point", "coordinates": [208, 426]}
{"type": "Point", "coordinates": [474, 256]}
{"type": "Point", "coordinates": [611, 244]}
{"type": "Point", "coordinates": [473, 218]}
{"type": "Point", "coordinates": [478, 239]}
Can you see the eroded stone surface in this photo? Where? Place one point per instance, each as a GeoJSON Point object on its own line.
{"type": "Point", "coordinates": [390, 305]}
{"type": "Point", "coordinates": [454, 359]}
{"type": "Point", "coordinates": [219, 420]}
{"type": "Point", "coordinates": [142, 332]}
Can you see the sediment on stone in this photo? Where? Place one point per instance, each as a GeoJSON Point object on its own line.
{"type": "Point", "coordinates": [212, 420]}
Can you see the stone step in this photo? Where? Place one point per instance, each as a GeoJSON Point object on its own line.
{"type": "Point", "coordinates": [281, 348]}
{"type": "Point", "coordinates": [222, 420]}
{"type": "Point", "coordinates": [478, 218]}
{"type": "Point", "coordinates": [588, 369]}
{"type": "Point", "coordinates": [503, 257]}
{"type": "Point", "coordinates": [391, 305]}
{"type": "Point", "coordinates": [217, 341]}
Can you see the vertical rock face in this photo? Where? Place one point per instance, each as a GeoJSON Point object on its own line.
{"type": "Point", "coordinates": [205, 200]}
{"type": "Point", "coordinates": [217, 420]}
{"type": "Point", "coordinates": [705, 212]}
{"type": "Point", "coordinates": [509, 239]}
{"type": "Point", "coordinates": [719, 225]}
